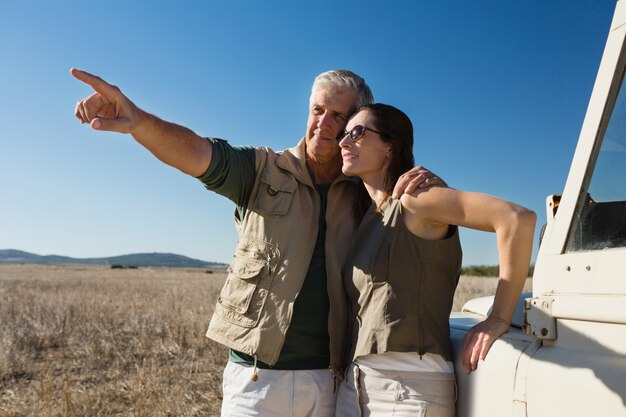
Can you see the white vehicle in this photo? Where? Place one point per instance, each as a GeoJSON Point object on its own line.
{"type": "Point", "coordinates": [565, 354]}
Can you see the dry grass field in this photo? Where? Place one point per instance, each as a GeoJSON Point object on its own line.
{"type": "Point", "coordinates": [95, 341]}
{"type": "Point", "coordinates": [474, 287]}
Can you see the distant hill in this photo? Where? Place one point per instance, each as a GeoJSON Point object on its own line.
{"type": "Point", "coordinates": [172, 260]}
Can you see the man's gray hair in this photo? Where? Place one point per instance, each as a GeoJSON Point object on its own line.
{"type": "Point", "coordinates": [344, 80]}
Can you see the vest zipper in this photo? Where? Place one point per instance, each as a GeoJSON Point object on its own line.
{"type": "Point", "coordinates": [419, 317]}
{"type": "Point", "coordinates": [334, 379]}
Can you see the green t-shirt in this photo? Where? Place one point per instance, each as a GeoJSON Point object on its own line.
{"type": "Point", "coordinates": [232, 174]}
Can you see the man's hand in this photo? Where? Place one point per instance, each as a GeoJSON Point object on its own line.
{"type": "Point", "coordinates": [107, 108]}
{"type": "Point", "coordinates": [418, 177]}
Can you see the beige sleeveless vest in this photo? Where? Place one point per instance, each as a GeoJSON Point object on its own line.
{"type": "Point", "coordinates": [400, 286]}
{"type": "Point", "coordinates": [276, 241]}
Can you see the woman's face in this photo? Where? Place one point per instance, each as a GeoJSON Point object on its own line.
{"type": "Point", "coordinates": [369, 155]}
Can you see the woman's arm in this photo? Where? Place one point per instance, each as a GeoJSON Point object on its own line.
{"type": "Point", "coordinates": [514, 226]}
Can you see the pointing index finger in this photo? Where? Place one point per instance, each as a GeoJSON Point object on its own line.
{"type": "Point", "coordinates": [97, 83]}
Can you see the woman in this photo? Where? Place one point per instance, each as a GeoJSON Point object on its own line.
{"type": "Point", "coordinates": [402, 272]}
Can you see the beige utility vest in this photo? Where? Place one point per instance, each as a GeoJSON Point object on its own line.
{"type": "Point", "coordinates": [276, 242]}
{"type": "Point", "coordinates": [400, 286]}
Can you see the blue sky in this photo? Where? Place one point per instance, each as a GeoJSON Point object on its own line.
{"type": "Point", "coordinates": [497, 92]}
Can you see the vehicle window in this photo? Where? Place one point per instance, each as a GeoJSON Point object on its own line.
{"type": "Point", "coordinates": [600, 219]}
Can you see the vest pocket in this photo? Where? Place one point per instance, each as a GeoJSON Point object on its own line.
{"type": "Point", "coordinates": [247, 285]}
{"type": "Point", "coordinates": [275, 194]}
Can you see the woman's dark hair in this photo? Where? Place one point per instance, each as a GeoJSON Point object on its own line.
{"type": "Point", "coordinates": [395, 128]}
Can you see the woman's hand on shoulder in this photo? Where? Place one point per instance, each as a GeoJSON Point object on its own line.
{"type": "Point", "coordinates": [415, 179]}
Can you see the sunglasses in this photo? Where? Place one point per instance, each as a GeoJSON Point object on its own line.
{"type": "Point", "coordinates": [356, 133]}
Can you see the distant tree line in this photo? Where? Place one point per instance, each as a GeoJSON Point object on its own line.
{"type": "Point", "coordinates": [488, 270]}
{"type": "Point", "coordinates": [118, 266]}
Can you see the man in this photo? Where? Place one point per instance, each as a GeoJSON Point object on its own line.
{"type": "Point", "coordinates": [282, 304]}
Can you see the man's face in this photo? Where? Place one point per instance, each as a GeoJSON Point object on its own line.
{"type": "Point", "coordinates": [328, 114]}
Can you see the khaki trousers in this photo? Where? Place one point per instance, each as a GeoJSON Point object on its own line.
{"type": "Point", "coordinates": [381, 393]}
{"type": "Point", "coordinates": [306, 393]}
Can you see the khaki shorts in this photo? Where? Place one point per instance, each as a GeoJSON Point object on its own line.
{"type": "Point", "coordinates": [375, 393]}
